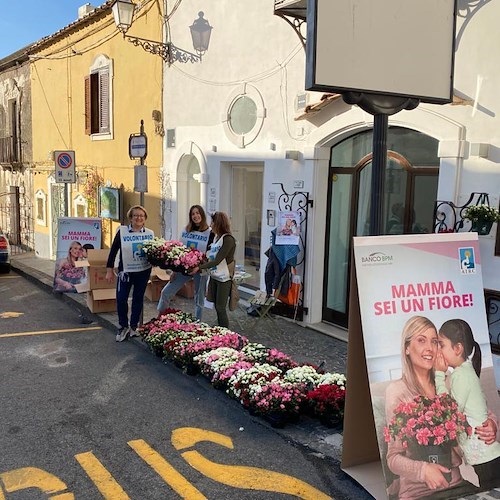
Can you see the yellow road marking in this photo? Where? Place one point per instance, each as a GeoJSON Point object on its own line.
{"type": "Point", "coordinates": [31, 477]}
{"type": "Point", "coordinates": [104, 481]}
{"type": "Point", "coordinates": [11, 315]}
{"type": "Point", "coordinates": [9, 277]}
{"type": "Point", "coordinates": [170, 475]}
{"type": "Point", "coordinates": [44, 332]}
{"type": "Point", "coordinates": [251, 478]}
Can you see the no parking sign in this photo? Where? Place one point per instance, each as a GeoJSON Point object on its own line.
{"type": "Point", "coordinates": [65, 166]}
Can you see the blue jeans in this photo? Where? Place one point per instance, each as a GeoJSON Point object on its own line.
{"type": "Point", "coordinates": [169, 290]}
{"type": "Point", "coordinates": [138, 280]}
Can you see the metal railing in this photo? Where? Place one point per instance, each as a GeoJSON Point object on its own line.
{"type": "Point", "coordinates": [17, 224]}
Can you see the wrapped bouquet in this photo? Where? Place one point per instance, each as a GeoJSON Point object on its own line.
{"type": "Point", "coordinates": [172, 255]}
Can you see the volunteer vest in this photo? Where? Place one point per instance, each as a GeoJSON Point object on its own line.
{"type": "Point", "coordinates": [196, 239]}
{"type": "Point", "coordinates": [133, 256]}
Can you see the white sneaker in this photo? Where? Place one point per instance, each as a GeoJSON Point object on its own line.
{"type": "Point", "coordinates": [133, 333]}
{"type": "Point", "coordinates": [122, 334]}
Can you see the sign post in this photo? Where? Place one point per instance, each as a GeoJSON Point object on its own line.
{"type": "Point", "coordinates": [138, 149]}
{"type": "Point", "coordinates": [65, 166]}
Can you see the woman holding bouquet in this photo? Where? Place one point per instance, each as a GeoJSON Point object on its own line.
{"type": "Point", "coordinates": [221, 253]}
{"type": "Point", "coordinates": [67, 275]}
{"type": "Point", "coordinates": [417, 478]}
{"type": "Point", "coordinates": [133, 270]}
{"type": "Point", "coordinates": [198, 235]}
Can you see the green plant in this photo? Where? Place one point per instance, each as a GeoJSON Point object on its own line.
{"type": "Point", "coordinates": [94, 180]}
{"type": "Point", "coordinates": [482, 212]}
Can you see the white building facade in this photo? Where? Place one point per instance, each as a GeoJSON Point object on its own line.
{"type": "Point", "coordinates": [241, 131]}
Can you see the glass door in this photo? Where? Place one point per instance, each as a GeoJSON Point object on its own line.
{"type": "Point", "coordinates": [246, 217]}
{"type": "Point", "coordinates": [408, 208]}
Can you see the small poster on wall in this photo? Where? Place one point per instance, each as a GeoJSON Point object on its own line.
{"type": "Point", "coordinates": [429, 364]}
{"type": "Point", "coordinates": [110, 203]}
{"type": "Point", "coordinates": [288, 231]}
{"type": "Point", "coordinates": [75, 236]}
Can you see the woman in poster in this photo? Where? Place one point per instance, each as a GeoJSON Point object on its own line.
{"type": "Point", "coordinates": [419, 479]}
{"type": "Point", "coordinates": [133, 270]}
{"type": "Point", "coordinates": [197, 235]}
{"type": "Point", "coordinates": [67, 275]}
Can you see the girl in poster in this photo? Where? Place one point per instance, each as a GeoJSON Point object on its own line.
{"type": "Point", "coordinates": [460, 351]}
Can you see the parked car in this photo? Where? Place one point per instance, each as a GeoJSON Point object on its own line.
{"type": "Point", "coordinates": [4, 253]}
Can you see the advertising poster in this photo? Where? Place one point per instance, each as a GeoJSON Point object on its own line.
{"type": "Point", "coordinates": [109, 199]}
{"type": "Point", "coordinates": [288, 231]}
{"type": "Point", "coordinates": [429, 362]}
{"type": "Point", "coordinates": [75, 237]}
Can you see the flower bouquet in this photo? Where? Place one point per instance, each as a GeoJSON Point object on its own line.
{"type": "Point", "coordinates": [428, 428]}
{"type": "Point", "coordinates": [172, 255]}
{"type": "Point", "coordinates": [217, 360]}
{"type": "Point", "coordinates": [245, 382]}
{"type": "Point", "coordinates": [305, 374]}
{"type": "Point", "coordinates": [327, 402]}
{"type": "Point", "coordinates": [278, 401]}
{"type": "Point", "coordinates": [255, 352]}
{"type": "Point", "coordinates": [73, 275]}
{"type": "Point", "coordinates": [280, 360]}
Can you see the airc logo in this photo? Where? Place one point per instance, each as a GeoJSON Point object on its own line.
{"type": "Point", "coordinates": [467, 260]}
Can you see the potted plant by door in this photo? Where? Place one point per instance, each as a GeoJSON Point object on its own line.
{"type": "Point", "coordinates": [482, 218]}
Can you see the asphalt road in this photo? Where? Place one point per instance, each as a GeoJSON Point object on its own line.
{"type": "Point", "coordinates": [85, 417]}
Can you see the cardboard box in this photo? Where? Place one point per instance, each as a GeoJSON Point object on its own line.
{"type": "Point", "coordinates": [187, 290]}
{"type": "Point", "coordinates": [96, 270]}
{"type": "Point", "coordinates": [158, 279]}
{"type": "Point", "coordinates": [101, 300]}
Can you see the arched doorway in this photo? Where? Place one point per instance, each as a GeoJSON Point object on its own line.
{"type": "Point", "coordinates": [410, 191]}
{"type": "Point", "coordinates": [188, 188]}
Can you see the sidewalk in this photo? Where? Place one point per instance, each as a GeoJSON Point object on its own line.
{"type": "Point", "coordinates": [302, 344]}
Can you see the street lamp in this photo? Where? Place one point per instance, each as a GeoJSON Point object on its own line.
{"type": "Point", "coordinates": [200, 33]}
{"type": "Point", "coordinates": [123, 13]}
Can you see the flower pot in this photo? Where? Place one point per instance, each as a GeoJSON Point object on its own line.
{"type": "Point", "coordinates": [332, 421]}
{"type": "Point", "coordinates": [192, 369]}
{"type": "Point", "coordinates": [482, 227]}
{"type": "Point", "coordinates": [278, 420]}
{"type": "Point", "coordinates": [434, 454]}
{"type": "Point", "coordinates": [157, 351]}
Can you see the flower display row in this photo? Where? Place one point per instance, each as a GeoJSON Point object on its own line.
{"type": "Point", "coordinates": [172, 255]}
{"type": "Point", "coordinates": [265, 381]}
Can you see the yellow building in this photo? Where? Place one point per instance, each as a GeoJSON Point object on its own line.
{"type": "Point", "coordinates": [90, 90]}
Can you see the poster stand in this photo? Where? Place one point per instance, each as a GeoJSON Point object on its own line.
{"type": "Point", "coordinates": [360, 452]}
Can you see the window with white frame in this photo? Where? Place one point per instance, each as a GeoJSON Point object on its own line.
{"type": "Point", "coordinates": [80, 206]}
{"type": "Point", "coordinates": [41, 207]}
{"type": "Point", "coordinates": [99, 99]}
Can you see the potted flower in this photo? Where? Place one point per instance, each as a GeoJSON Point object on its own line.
{"type": "Point", "coordinates": [327, 403]}
{"type": "Point", "coordinates": [245, 382]}
{"type": "Point", "coordinates": [482, 218]}
{"type": "Point", "coordinates": [278, 402]}
{"type": "Point", "coordinates": [428, 428]}
{"type": "Point", "coordinates": [305, 374]}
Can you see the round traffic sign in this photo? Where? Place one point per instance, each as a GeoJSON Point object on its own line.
{"type": "Point", "coordinates": [64, 160]}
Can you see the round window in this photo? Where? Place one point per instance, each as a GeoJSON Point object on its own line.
{"type": "Point", "coordinates": [243, 115]}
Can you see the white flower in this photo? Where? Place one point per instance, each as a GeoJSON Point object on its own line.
{"type": "Point", "coordinates": [302, 374]}
{"type": "Point", "coordinates": [332, 379]}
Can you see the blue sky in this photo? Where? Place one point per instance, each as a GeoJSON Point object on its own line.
{"type": "Point", "coordinates": [26, 21]}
